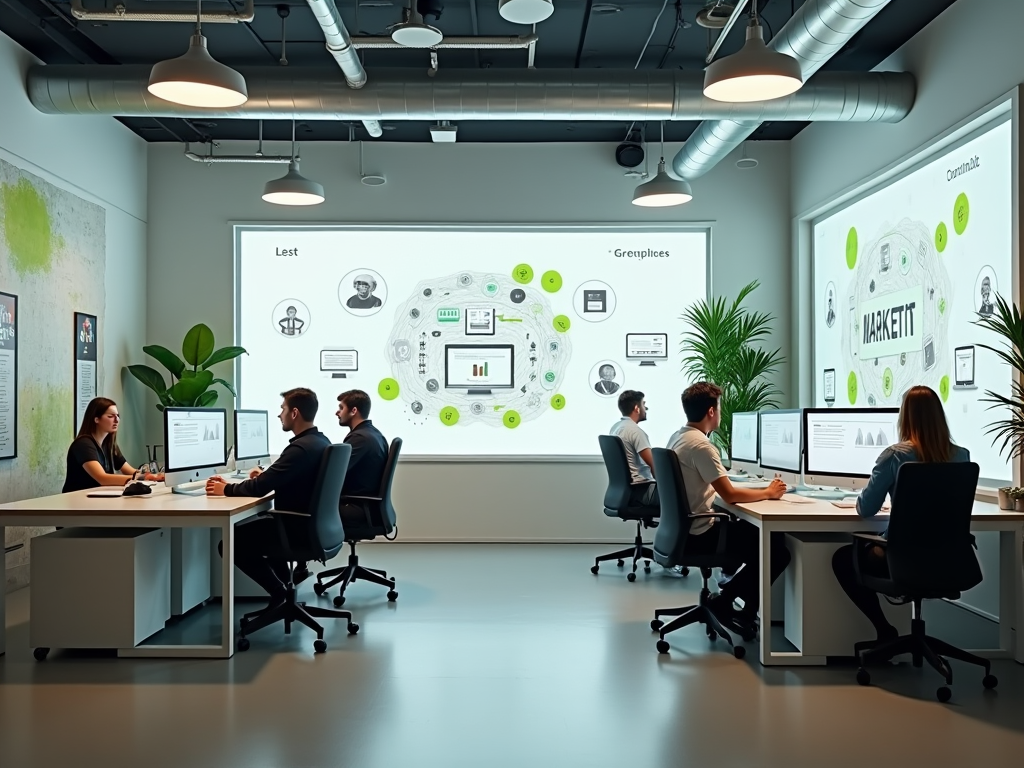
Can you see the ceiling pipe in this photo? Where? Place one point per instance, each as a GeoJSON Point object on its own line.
{"type": "Point", "coordinates": [214, 159]}
{"type": "Point", "coordinates": [121, 13]}
{"type": "Point", "coordinates": [815, 33]}
{"type": "Point", "coordinates": [285, 93]}
{"type": "Point", "coordinates": [511, 42]}
{"type": "Point", "coordinates": [736, 11]}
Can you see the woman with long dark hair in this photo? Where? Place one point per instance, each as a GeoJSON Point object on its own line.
{"type": "Point", "coordinates": [924, 436]}
{"type": "Point", "coordinates": [94, 458]}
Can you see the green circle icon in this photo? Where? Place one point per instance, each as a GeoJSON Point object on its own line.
{"type": "Point", "coordinates": [551, 281]}
{"type": "Point", "coordinates": [549, 377]}
{"type": "Point", "coordinates": [449, 415]}
{"type": "Point", "coordinates": [851, 248]}
{"type": "Point", "coordinates": [387, 389]}
{"type": "Point", "coordinates": [523, 273]}
{"type": "Point", "coordinates": [851, 388]}
{"type": "Point", "coordinates": [961, 213]}
{"type": "Point", "coordinates": [511, 419]}
{"type": "Point", "coordinates": [887, 382]}
{"type": "Point", "coordinates": [942, 306]}
{"type": "Point", "coordinates": [944, 388]}
{"type": "Point", "coordinates": [941, 237]}
{"type": "Point", "coordinates": [561, 323]}
{"type": "Point", "coordinates": [558, 402]}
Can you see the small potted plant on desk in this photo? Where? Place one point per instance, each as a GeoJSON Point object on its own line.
{"type": "Point", "coordinates": [1011, 498]}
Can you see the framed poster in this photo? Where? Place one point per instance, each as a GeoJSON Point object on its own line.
{"type": "Point", "coordinates": [85, 331]}
{"type": "Point", "coordinates": [8, 375]}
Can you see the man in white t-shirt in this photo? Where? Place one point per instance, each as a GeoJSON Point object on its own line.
{"type": "Point", "coordinates": [703, 477]}
{"type": "Point", "coordinates": [633, 408]}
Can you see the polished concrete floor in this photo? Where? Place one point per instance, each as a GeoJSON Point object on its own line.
{"type": "Point", "coordinates": [497, 656]}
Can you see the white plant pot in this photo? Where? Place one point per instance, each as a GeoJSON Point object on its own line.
{"type": "Point", "coordinates": [1005, 502]}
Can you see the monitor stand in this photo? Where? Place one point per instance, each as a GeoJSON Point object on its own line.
{"type": "Point", "coordinates": [479, 392]}
{"type": "Point", "coordinates": [339, 376]}
{"type": "Point", "coordinates": [648, 362]}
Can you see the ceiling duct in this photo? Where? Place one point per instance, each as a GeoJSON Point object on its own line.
{"type": "Point", "coordinates": [280, 93]}
{"type": "Point", "coordinates": [815, 33]}
{"type": "Point", "coordinates": [120, 12]}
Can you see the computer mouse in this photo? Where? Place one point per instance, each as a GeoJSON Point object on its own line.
{"type": "Point", "coordinates": [136, 489]}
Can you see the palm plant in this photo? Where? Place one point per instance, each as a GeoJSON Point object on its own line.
{"type": "Point", "coordinates": [724, 347]}
{"type": "Point", "coordinates": [1008, 323]}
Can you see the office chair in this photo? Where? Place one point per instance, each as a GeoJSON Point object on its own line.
{"type": "Point", "coordinates": [380, 521]}
{"type": "Point", "coordinates": [617, 504]}
{"type": "Point", "coordinates": [670, 550]}
{"type": "Point", "coordinates": [929, 556]}
{"type": "Point", "coordinates": [324, 539]}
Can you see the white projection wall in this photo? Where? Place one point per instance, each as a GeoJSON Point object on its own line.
{"type": "Point", "coordinates": [900, 278]}
{"type": "Point", "coordinates": [471, 342]}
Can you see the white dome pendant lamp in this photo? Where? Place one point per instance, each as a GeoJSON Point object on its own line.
{"type": "Point", "coordinates": [293, 188]}
{"type": "Point", "coordinates": [662, 191]}
{"type": "Point", "coordinates": [754, 73]}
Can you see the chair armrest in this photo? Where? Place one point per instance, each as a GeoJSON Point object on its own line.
{"type": "Point", "coordinates": [361, 498]}
{"type": "Point", "coordinates": [873, 538]}
{"type": "Point", "coordinates": [272, 512]}
{"type": "Point", "coordinates": [722, 515]}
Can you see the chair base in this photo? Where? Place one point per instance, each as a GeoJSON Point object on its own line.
{"type": "Point", "coordinates": [694, 614]}
{"type": "Point", "coordinates": [353, 572]}
{"type": "Point", "coordinates": [639, 551]}
{"type": "Point", "coordinates": [291, 611]}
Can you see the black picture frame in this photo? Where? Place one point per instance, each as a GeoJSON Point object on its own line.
{"type": "Point", "coordinates": [9, 342]}
{"type": "Point", "coordinates": [86, 350]}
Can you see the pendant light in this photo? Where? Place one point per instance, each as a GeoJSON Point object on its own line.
{"type": "Point", "coordinates": [754, 73]}
{"type": "Point", "coordinates": [293, 188]}
{"type": "Point", "coordinates": [415, 32]}
{"type": "Point", "coordinates": [525, 11]}
{"type": "Point", "coordinates": [662, 190]}
{"type": "Point", "coordinates": [196, 79]}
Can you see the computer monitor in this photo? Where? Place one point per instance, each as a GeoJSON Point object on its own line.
{"type": "Point", "coordinates": [251, 438]}
{"type": "Point", "coordinates": [648, 348]}
{"type": "Point", "coordinates": [744, 437]}
{"type": "Point", "coordinates": [339, 362]}
{"type": "Point", "coordinates": [194, 444]}
{"type": "Point", "coordinates": [845, 442]}
{"type": "Point", "coordinates": [479, 368]}
{"type": "Point", "coordinates": [779, 441]}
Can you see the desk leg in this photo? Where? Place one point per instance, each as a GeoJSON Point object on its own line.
{"type": "Point", "coordinates": [1011, 593]}
{"type": "Point", "coordinates": [3, 593]}
{"type": "Point", "coordinates": [227, 590]}
{"type": "Point", "coordinates": [766, 594]}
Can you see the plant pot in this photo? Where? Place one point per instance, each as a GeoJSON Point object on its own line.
{"type": "Point", "coordinates": [1019, 505]}
{"type": "Point", "coordinates": [1005, 502]}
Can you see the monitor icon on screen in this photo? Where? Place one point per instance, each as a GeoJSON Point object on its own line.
{"type": "Point", "coordinates": [964, 361]}
{"type": "Point", "coordinates": [647, 347]}
{"type": "Point", "coordinates": [479, 368]}
{"type": "Point", "coordinates": [595, 300]}
{"type": "Point", "coordinates": [339, 362]}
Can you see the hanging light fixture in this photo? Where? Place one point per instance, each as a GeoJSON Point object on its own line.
{"type": "Point", "coordinates": [293, 188]}
{"type": "Point", "coordinates": [662, 190]}
{"type": "Point", "coordinates": [525, 11]}
{"type": "Point", "coordinates": [196, 79]}
{"type": "Point", "coordinates": [414, 31]}
{"type": "Point", "coordinates": [754, 73]}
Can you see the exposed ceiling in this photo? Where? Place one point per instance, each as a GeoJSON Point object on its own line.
{"type": "Point", "coordinates": [580, 34]}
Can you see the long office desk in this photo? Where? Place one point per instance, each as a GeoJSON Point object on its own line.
{"type": "Point", "coordinates": [161, 509]}
{"type": "Point", "coordinates": [820, 516]}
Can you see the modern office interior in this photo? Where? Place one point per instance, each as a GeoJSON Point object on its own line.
{"type": "Point", "coordinates": [495, 217]}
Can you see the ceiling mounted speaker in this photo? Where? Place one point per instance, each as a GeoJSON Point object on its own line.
{"type": "Point", "coordinates": [630, 153]}
{"type": "Point", "coordinates": [525, 11]}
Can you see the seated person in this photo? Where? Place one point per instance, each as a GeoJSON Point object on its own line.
{"type": "Point", "coordinates": [633, 407]}
{"type": "Point", "coordinates": [258, 551]}
{"type": "Point", "coordinates": [94, 458]}
{"type": "Point", "coordinates": [369, 455]}
{"type": "Point", "coordinates": [924, 436]}
{"type": "Point", "coordinates": [703, 476]}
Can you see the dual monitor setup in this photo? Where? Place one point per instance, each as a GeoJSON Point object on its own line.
{"type": "Point", "coordinates": [195, 441]}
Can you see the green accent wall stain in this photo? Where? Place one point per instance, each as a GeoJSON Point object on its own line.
{"type": "Point", "coordinates": [28, 228]}
{"type": "Point", "coordinates": [46, 416]}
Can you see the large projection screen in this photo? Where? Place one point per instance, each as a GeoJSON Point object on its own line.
{"type": "Point", "coordinates": [901, 277]}
{"type": "Point", "coordinates": [472, 342]}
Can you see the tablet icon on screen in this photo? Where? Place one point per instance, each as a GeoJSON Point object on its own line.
{"type": "Point", "coordinates": [963, 359]}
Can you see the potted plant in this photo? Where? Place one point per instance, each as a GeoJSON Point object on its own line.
{"type": "Point", "coordinates": [1006, 500]}
{"type": "Point", "coordinates": [189, 387]}
{"type": "Point", "coordinates": [724, 347]}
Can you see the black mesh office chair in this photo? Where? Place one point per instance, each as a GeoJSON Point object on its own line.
{"type": "Point", "coordinates": [670, 550]}
{"type": "Point", "coordinates": [324, 539]}
{"type": "Point", "coordinates": [617, 504]}
{"type": "Point", "coordinates": [381, 520]}
{"type": "Point", "coordinates": [929, 555]}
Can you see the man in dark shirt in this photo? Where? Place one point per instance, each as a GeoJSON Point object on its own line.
{"type": "Point", "coordinates": [369, 454]}
{"type": "Point", "coordinates": [258, 550]}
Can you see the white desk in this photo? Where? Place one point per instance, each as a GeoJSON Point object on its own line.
{"type": "Point", "coordinates": [822, 517]}
{"type": "Point", "coordinates": [161, 509]}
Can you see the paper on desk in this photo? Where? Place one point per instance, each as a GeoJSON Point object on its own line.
{"type": "Point", "coordinates": [105, 495]}
{"type": "Point", "coordinates": [792, 498]}
{"type": "Point", "coordinates": [852, 504]}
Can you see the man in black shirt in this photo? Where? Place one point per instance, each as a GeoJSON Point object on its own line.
{"type": "Point", "coordinates": [258, 550]}
{"type": "Point", "coordinates": [369, 454]}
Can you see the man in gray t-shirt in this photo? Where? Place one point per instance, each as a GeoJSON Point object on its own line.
{"type": "Point", "coordinates": [633, 408]}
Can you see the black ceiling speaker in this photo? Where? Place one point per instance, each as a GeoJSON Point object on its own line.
{"type": "Point", "coordinates": [428, 8]}
{"type": "Point", "coordinates": [630, 153]}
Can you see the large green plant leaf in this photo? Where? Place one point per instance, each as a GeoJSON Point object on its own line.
{"type": "Point", "coordinates": [166, 358]}
{"type": "Point", "coordinates": [151, 377]}
{"type": "Point", "coordinates": [187, 391]}
{"type": "Point", "coordinates": [207, 399]}
{"type": "Point", "coordinates": [226, 386]}
{"type": "Point", "coordinates": [222, 354]}
{"type": "Point", "coordinates": [1007, 322]}
{"type": "Point", "coordinates": [198, 345]}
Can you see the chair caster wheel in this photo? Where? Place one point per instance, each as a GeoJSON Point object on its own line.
{"type": "Point", "coordinates": [339, 601]}
{"type": "Point", "coordinates": [242, 645]}
{"type": "Point", "coordinates": [319, 646]}
{"type": "Point", "coordinates": [990, 681]}
{"type": "Point", "coordinates": [748, 636]}
{"type": "Point", "coordinates": [630, 577]}
{"type": "Point", "coordinates": [685, 571]}
{"type": "Point", "coordinates": [943, 694]}
{"type": "Point", "coordinates": [594, 568]}
{"type": "Point", "coordinates": [319, 589]}
{"type": "Point", "coordinates": [712, 635]}
{"type": "Point", "coordinates": [353, 628]}
{"type": "Point", "coordinates": [662, 646]}
{"type": "Point", "coordinates": [620, 563]}
{"type": "Point", "coordinates": [647, 569]}
{"type": "Point", "coordinates": [40, 654]}
{"type": "Point", "coordinates": [863, 677]}
{"type": "Point", "coordinates": [739, 651]}
{"type": "Point", "coordinates": [656, 625]}
{"type": "Point", "coordinates": [392, 596]}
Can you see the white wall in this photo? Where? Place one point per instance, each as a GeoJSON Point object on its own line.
{"type": "Point", "coordinates": [190, 280]}
{"type": "Point", "coordinates": [100, 160]}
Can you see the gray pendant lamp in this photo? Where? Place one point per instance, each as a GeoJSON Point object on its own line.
{"type": "Point", "coordinates": [662, 191]}
{"type": "Point", "coordinates": [196, 79]}
{"type": "Point", "coordinates": [293, 188]}
{"type": "Point", "coordinates": [754, 73]}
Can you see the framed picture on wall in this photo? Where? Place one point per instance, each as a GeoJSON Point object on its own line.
{"type": "Point", "coordinates": [86, 340]}
{"type": "Point", "coordinates": [8, 375]}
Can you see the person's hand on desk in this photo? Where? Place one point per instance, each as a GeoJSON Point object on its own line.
{"type": "Point", "coordinates": [776, 488]}
{"type": "Point", "coordinates": [255, 472]}
{"type": "Point", "coordinates": [157, 478]}
{"type": "Point", "coordinates": [215, 486]}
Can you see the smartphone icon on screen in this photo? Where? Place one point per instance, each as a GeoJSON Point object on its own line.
{"type": "Point", "coordinates": [828, 385]}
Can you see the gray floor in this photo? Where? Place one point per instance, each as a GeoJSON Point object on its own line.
{"type": "Point", "coordinates": [494, 655]}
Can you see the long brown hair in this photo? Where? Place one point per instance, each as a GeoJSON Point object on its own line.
{"type": "Point", "coordinates": [923, 423]}
{"type": "Point", "coordinates": [96, 408]}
